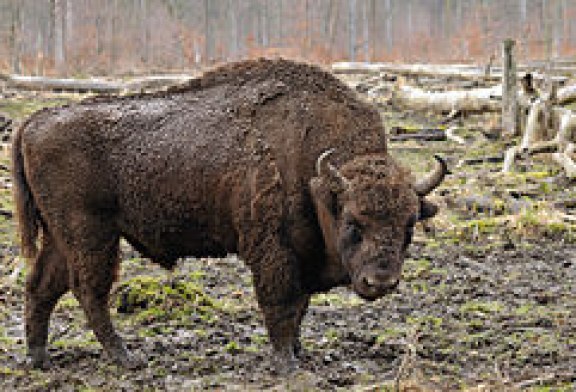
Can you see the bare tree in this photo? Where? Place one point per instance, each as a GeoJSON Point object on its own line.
{"type": "Point", "coordinates": [352, 29]}
{"type": "Point", "coordinates": [66, 36]}
{"type": "Point", "coordinates": [208, 35]}
{"type": "Point", "coordinates": [15, 32]}
{"type": "Point", "coordinates": [389, 39]}
{"type": "Point", "coordinates": [233, 33]}
{"type": "Point", "coordinates": [59, 12]}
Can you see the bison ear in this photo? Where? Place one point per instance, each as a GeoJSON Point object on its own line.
{"type": "Point", "coordinates": [324, 196]}
{"type": "Point", "coordinates": [427, 209]}
{"type": "Point", "coordinates": [325, 202]}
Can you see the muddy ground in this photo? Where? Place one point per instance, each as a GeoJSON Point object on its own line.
{"type": "Point", "coordinates": [488, 299]}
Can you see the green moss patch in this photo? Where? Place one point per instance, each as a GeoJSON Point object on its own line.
{"type": "Point", "coordinates": [152, 299]}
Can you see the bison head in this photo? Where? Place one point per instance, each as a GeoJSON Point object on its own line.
{"type": "Point", "coordinates": [367, 211]}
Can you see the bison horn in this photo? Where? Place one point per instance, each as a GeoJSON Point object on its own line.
{"type": "Point", "coordinates": [324, 168]}
{"type": "Point", "coordinates": [428, 184]}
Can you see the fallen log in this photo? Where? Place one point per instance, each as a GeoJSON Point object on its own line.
{"type": "Point", "coordinates": [543, 121]}
{"type": "Point", "coordinates": [533, 130]}
{"type": "Point", "coordinates": [156, 82]}
{"type": "Point", "coordinates": [451, 71]}
{"type": "Point", "coordinates": [564, 159]}
{"type": "Point", "coordinates": [372, 84]}
{"type": "Point", "coordinates": [6, 213]}
{"type": "Point", "coordinates": [74, 85]}
{"type": "Point", "coordinates": [454, 114]}
{"type": "Point", "coordinates": [516, 152]}
{"type": "Point", "coordinates": [457, 71]}
{"type": "Point", "coordinates": [476, 204]}
{"type": "Point", "coordinates": [566, 94]}
{"type": "Point", "coordinates": [566, 217]}
{"type": "Point", "coordinates": [569, 204]}
{"type": "Point", "coordinates": [567, 129]}
{"type": "Point", "coordinates": [450, 135]}
{"type": "Point", "coordinates": [477, 100]}
{"type": "Point", "coordinates": [481, 160]}
{"type": "Point", "coordinates": [93, 85]}
{"type": "Point", "coordinates": [428, 136]}
{"type": "Point", "coordinates": [399, 130]}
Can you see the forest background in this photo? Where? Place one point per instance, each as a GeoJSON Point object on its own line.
{"type": "Point", "coordinates": [104, 37]}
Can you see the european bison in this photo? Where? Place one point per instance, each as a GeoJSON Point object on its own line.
{"type": "Point", "coordinates": [275, 160]}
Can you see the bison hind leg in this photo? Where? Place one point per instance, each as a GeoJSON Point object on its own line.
{"type": "Point", "coordinates": [94, 272]}
{"type": "Point", "coordinates": [46, 282]}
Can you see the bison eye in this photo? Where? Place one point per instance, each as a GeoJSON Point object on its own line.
{"type": "Point", "coordinates": [408, 236]}
{"type": "Point", "coordinates": [409, 231]}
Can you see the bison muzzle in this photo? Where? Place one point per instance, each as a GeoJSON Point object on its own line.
{"type": "Point", "coordinates": [274, 160]}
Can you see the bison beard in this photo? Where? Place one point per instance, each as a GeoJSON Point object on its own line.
{"type": "Point", "coordinates": [232, 162]}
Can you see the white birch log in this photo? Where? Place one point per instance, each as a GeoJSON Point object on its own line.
{"type": "Point", "coordinates": [533, 131]}
{"type": "Point", "coordinates": [567, 128]}
{"type": "Point", "coordinates": [566, 94]}
{"type": "Point", "coordinates": [477, 100]}
{"type": "Point", "coordinates": [156, 82]}
{"type": "Point", "coordinates": [454, 71]}
{"type": "Point", "coordinates": [460, 71]}
{"type": "Point", "coordinates": [564, 159]}
{"type": "Point", "coordinates": [55, 84]}
{"type": "Point", "coordinates": [450, 135]}
{"type": "Point", "coordinates": [514, 152]}
{"type": "Point", "coordinates": [509, 158]}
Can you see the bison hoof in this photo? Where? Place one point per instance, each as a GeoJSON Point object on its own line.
{"type": "Point", "coordinates": [129, 361]}
{"type": "Point", "coordinates": [299, 351]}
{"type": "Point", "coordinates": [37, 359]}
{"type": "Point", "coordinates": [285, 364]}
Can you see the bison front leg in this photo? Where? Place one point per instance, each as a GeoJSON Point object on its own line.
{"type": "Point", "coordinates": [283, 326]}
{"type": "Point", "coordinates": [302, 308]}
{"type": "Point", "coordinates": [261, 215]}
{"type": "Point", "coordinates": [286, 321]}
{"type": "Point", "coordinates": [283, 304]}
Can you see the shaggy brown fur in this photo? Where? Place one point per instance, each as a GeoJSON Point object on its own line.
{"type": "Point", "coordinates": [225, 164]}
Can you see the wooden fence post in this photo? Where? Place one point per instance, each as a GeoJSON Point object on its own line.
{"type": "Point", "coordinates": [510, 123]}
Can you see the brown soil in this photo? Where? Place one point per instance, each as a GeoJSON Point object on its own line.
{"type": "Point", "coordinates": [488, 298]}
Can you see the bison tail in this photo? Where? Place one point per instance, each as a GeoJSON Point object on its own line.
{"type": "Point", "coordinates": [26, 210]}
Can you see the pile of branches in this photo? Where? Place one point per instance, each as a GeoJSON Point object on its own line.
{"type": "Point", "coordinates": [544, 123]}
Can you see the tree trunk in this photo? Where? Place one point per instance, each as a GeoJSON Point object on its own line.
{"type": "Point", "coordinates": [59, 26]}
{"type": "Point", "coordinates": [15, 32]}
{"type": "Point", "coordinates": [352, 29]}
{"type": "Point", "coordinates": [233, 29]}
{"type": "Point", "coordinates": [208, 36]}
{"type": "Point", "coordinates": [114, 38]}
{"type": "Point", "coordinates": [334, 16]}
{"type": "Point", "coordinates": [145, 32]}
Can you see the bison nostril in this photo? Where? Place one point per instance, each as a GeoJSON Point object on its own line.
{"type": "Point", "coordinates": [369, 281]}
{"type": "Point", "coordinates": [395, 284]}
